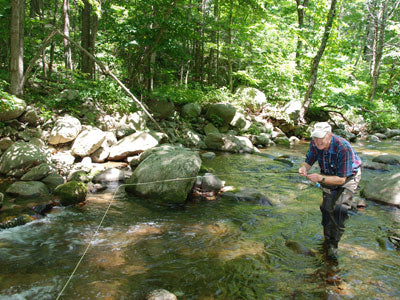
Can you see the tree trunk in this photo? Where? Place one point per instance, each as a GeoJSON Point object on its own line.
{"type": "Point", "coordinates": [86, 66]}
{"type": "Point", "coordinates": [230, 80]}
{"type": "Point", "coordinates": [316, 60]}
{"type": "Point", "coordinates": [301, 4]}
{"type": "Point", "coordinates": [379, 28]}
{"type": "Point", "coordinates": [17, 47]}
{"type": "Point", "coordinates": [52, 48]}
{"type": "Point", "coordinates": [67, 46]}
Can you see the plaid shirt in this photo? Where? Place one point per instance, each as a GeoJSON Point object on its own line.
{"type": "Point", "coordinates": [340, 160]}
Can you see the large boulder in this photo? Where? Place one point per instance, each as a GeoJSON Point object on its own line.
{"type": "Point", "coordinates": [229, 143]}
{"type": "Point", "coordinates": [13, 111]}
{"type": "Point", "coordinates": [385, 189]}
{"type": "Point", "coordinates": [168, 168]}
{"type": "Point", "coordinates": [191, 110]}
{"type": "Point", "coordinates": [65, 129]}
{"type": "Point", "coordinates": [20, 157]}
{"type": "Point", "coordinates": [240, 122]}
{"type": "Point", "coordinates": [252, 98]}
{"type": "Point", "coordinates": [134, 144]}
{"type": "Point", "coordinates": [70, 193]}
{"type": "Point", "coordinates": [161, 109]}
{"type": "Point", "coordinates": [221, 114]}
{"type": "Point", "coordinates": [87, 142]}
{"type": "Point", "coordinates": [27, 189]}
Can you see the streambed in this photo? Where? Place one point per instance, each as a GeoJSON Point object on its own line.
{"type": "Point", "coordinates": [220, 249]}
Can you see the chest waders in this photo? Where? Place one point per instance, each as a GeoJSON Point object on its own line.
{"type": "Point", "coordinates": [334, 208]}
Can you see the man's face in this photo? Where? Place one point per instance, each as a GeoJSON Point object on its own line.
{"type": "Point", "coordinates": [323, 143]}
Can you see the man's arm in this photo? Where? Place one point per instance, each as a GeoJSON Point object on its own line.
{"type": "Point", "coordinates": [326, 179]}
{"type": "Point", "coordinates": [304, 168]}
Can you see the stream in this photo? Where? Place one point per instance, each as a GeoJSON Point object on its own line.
{"type": "Point", "coordinates": [221, 249]}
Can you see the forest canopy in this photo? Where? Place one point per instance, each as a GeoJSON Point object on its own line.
{"type": "Point", "coordinates": [331, 55]}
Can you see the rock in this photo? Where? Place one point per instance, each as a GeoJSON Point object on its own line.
{"type": "Point", "coordinates": [25, 189]}
{"type": "Point", "coordinates": [161, 109]}
{"type": "Point", "coordinates": [79, 175]}
{"type": "Point", "coordinates": [20, 157]}
{"type": "Point", "coordinates": [138, 120]}
{"type": "Point", "coordinates": [16, 109]}
{"type": "Point", "coordinates": [221, 114]}
{"type": "Point", "coordinates": [5, 143]}
{"type": "Point", "coordinates": [109, 175]}
{"type": "Point", "coordinates": [299, 248]}
{"type": "Point", "coordinates": [293, 140]}
{"type": "Point", "coordinates": [191, 110]}
{"type": "Point", "coordinates": [210, 183]}
{"type": "Point", "coordinates": [134, 144]}
{"type": "Point", "coordinates": [163, 167]}
{"type": "Point", "coordinates": [252, 98]}
{"type": "Point", "coordinates": [387, 159]}
{"type": "Point", "coordinates": [100, 155]}
{"type": "Point", "coordinates": [69, 94]}
{"type": "Point", "coordinates": [292, 109]}
{"type": "Point", "coordinates": [375, 166]}
{"type": "Point", "coordinates": [87, 142]}
{"type": "Point", "coordinates": [240, 122]}
{"type": "Point", "coordinates": [380, 136]}
{"type": "Point", "coordinates": [30, 116]}
{"type": "Point", "coordinates": [373, 138]}
{"type": "Point", "coordinates": [210, 128]}
{"type": "Point", "coordinates": [264, 139]}
{"type": "Point", "coordinates": [65, 129]}
{"type": "Point", "coordinates": [37, 173]}
{"type": "Point", "coordinates": [392, 133]}
{"type": "Point", "coordinates": [63, 159]}
{"type": "Point", "coordinates": [53, 180]}
{"type": "Point", "coordinates": [16, 221]}
{"type": "Point", "coordinates": [161, 294]}
{"type": "Point", "coordinates": [384, 189]}
{"type": "Point", "coordinates": [71, 193]}
{"type": "Point", "coordinates": [250, 195]}
{"type": "Point", "coordinates": [351, 137]}
{"type": "Point", "coordinates": [282, 140]}
{"type": "Point", "coordinates": [208, 155]}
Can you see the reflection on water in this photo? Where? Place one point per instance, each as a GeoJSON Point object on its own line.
{"type": "Point", "coordinates": [209, 250]}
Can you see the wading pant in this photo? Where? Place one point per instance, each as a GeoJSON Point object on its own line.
{"type": "Point", "coordinates": [335, 205]}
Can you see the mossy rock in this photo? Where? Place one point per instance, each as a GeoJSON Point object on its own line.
{"type": "Point", "coordinates": [71, 193]}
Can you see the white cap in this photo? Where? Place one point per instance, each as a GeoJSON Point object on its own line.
{"type": "Point", "coordinates": [321, 129]}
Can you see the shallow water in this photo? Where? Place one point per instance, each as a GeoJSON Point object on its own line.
{"type": "Point", "coordinates": [206, 250]}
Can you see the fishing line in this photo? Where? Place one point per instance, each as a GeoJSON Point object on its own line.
{"type": "Point", "coordinates": [143, 183]}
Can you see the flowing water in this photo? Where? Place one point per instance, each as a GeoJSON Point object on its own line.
{"type": "Point", "coordinates": [220, 249]}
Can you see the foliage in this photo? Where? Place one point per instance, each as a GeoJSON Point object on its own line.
{"type": "Point", "coordinates": [178, 94]}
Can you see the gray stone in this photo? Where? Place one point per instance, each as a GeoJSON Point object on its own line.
{"type": "Point", "coordinates": [134, 144]}
{"type": "Point", "coordinates": [20, 157]}
{"type": "Point", "coordinates": [384, 189]}
{"type": "Point", "coordinates": [53, 180]}
{"type": "Point", "coordinates": [30, 116]}
{"type": "Point", "coordinates": [25, 189]}
{"type": "Point", "coordinates": [211, 183]}
{"type": "Point", "coordinates": [208, 155]}
{"type": "Point", "coordinates": [373, 138]}
{"type": "Point", "coordinates": [5, 142]}
{"type": "Point", "coordinates": [161, 294]}
{"type": "Point", "coordinates": [65, 129]}
{"type": "Point", "coordinates": [252, 98]}
{"type": "Point", "coordinates": [87, 142]}
{"type": "Point", "coordinates": [387, 159]}
{"type": "Point", "coordinates": [221, 113]}
{"type": "Point", "coordinates": [191, 110]}
{"type": "Point", "coordinates": [173, 172]}
{"type": "Point", "coordinates": [161, 109]}
{"type": "Point", "coordinates": [109, 175]}
{"type": "Point", "coordinates": [210, 128]}
{"type": "Point", "coordinates": [37, 173]}
{"type": "Point", "coordinates": [250, 195]}
{"type": "Point", "coordinates": [16, 109]}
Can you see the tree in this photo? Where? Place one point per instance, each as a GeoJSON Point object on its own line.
{"type": "Point", "coordinates": [17, 47]}
{"type": "Point", "coordinates": [316, 60]}
{"type": "Point", "coordinates": [67, 47]}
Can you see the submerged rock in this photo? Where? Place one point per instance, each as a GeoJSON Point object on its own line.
{"type": "Point", "coordinates": [161, 294]}
{"type": "Point", "coordinates": [384, 189]}
{"type": "Point", "coordinates": [27, 189]}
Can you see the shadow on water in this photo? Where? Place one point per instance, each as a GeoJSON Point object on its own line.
{"type": "Point", "coordinates": [220, 249]}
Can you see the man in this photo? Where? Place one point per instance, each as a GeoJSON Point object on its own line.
{"type": "Point", "coordinates": [339, 178]}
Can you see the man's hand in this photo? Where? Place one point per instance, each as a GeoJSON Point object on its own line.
{"type": "Point", "coordinates": [303, 171]}
{"type": "Point", "coordinates": [315, 177]}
